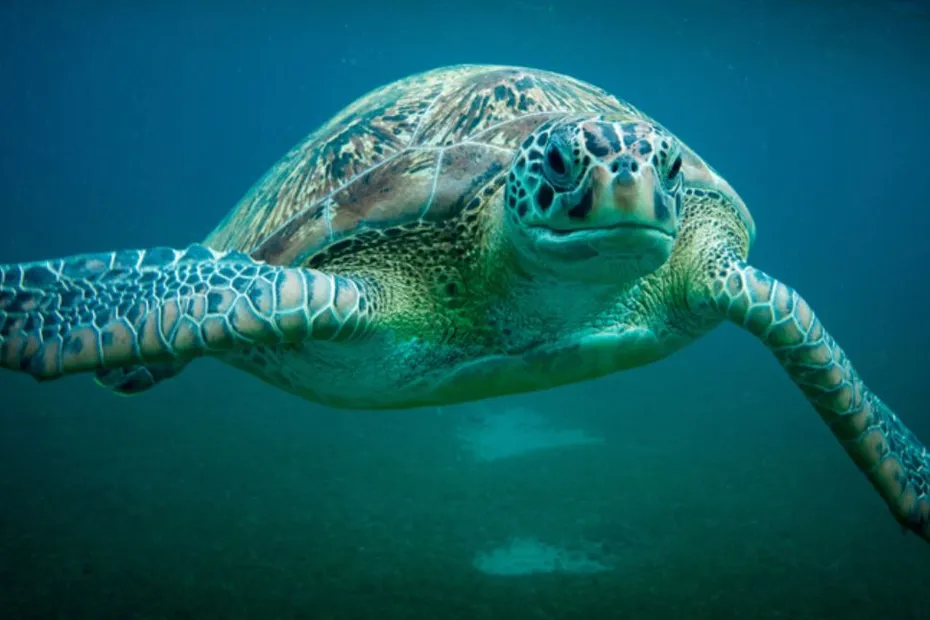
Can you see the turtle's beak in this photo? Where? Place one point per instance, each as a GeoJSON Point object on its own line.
{"type": "Point", "coordinates": [629, 197]}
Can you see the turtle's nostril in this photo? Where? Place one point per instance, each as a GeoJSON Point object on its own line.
{"type": "Point", "coordinates": [624, 167]}
{"type": "Point", "coordinates": [624, 177]}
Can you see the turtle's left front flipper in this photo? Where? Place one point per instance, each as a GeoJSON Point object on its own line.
{"type": "Point", "coordinates": [895, 461]}
{"type": "Point", "coordinates": [132, 307]}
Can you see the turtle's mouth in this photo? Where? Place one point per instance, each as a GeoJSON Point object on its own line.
{"type": "Point", "coordinates": [612, 253]}
{"type": "Point", "coordinates": [621, 227]}
{"type": "Point", "coordinates": [620, 241]}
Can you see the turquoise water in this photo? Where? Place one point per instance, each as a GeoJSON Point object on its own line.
{"type": "Point", "coordinates": [700, 487]}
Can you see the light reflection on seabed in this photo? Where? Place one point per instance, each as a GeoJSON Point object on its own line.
{"type": "Point", "coordinates": [490, 435]}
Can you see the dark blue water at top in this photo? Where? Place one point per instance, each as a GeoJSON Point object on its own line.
{"type": "Point", "coordinates": [716, 491]}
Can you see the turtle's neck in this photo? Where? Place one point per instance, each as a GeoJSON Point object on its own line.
{"type": "Point", "coordinates": [532, 301]}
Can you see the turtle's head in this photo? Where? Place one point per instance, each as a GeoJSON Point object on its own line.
{"type": "Point", "coordinates": [595, 198]}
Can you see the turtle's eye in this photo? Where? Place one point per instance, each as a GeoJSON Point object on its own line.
{"type": "Point", "coordinates": [557, 167]}
{"type": "Point", "coordinates": [555, 161]}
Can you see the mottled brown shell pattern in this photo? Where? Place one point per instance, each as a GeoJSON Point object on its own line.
{"type": "Point", "coordinates": [415, 152]}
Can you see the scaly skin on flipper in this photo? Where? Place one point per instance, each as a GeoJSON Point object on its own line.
{"type": "Point", "coordinates": [163, 306]}
{"type": "Point", "coordinates": [894, 460]}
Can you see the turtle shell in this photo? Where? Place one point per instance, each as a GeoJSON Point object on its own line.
{"type": "Point", "coordinates": [418, 151]}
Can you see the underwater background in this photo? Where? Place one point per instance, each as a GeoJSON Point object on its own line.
{"type": "Point", "coordinates": [703, 486]}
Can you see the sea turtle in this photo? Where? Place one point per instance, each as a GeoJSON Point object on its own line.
{"type": "Point", "coordinates": [463, 233]}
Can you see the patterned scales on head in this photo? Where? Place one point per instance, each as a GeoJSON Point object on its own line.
{"type": "Point", "coordinates": [421, 157]}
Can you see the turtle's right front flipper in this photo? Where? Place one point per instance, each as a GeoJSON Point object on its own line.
{"type": "Point", "coordinates": [120, 309]}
